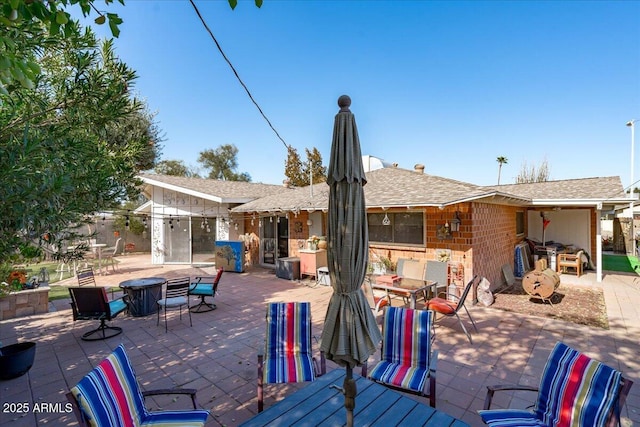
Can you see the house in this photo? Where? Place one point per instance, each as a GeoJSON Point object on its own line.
{"type": "Point", "coordinates": [187, 215]}
{"type": "Point", "coordinates": [410, 214]}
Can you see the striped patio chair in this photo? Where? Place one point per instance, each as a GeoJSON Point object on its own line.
{"type": "Point", "coordinates": [574, 391]}
{"type": "Point", "coordinates": [109, 396]}
{"type": "Point", "coordinates": [288, 351]}
{"type": "Point", "coordinates": [406, 360]}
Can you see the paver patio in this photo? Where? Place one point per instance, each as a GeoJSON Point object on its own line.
{"type": "Point", "coordinates": [218, 354]}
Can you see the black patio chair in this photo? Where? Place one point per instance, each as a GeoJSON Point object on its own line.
{"type": "Point", "coordinates": [92, 303]}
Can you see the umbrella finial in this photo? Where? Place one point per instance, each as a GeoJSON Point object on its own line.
{"type": "Point", "coordinates": [344, 102]}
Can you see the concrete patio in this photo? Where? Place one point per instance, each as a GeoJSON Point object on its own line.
{"type": "Point", "coordinates": [217, 355]}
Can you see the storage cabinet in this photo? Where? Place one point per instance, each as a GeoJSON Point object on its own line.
{"type": "Point", "coordinates": [311, 260]}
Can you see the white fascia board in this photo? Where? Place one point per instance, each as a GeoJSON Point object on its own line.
{"type": "Point", "coordinates": [144, 208]}
{"type": "Point", "coordinates": [194, 193]}
{"type": "Point", "coordinates": [577, 202]}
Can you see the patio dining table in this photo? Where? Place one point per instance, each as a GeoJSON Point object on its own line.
{"type": "Point", "coordinates": [405, 287]}
{"type": "Point", "coordinates": [322, 404]}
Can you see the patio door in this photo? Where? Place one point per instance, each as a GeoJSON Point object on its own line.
{"type": "Point", "coordinates": [275, 239]}
{"type": "Point", "coordinates": [177, 248]}
{"type": "Point", "coordinates": [203, 240]}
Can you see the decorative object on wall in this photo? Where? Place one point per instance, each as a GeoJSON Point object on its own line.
{"type": "Point", "coordinates": [297, 226]}
{"type": "Point", "coordinates": [443, 231]}
{"type": "Point", "coordinates": [443, 255]}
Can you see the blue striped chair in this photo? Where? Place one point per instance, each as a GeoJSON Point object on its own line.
{"type": "Point", "coordinates": [574, 391]}
{"type": "Point", "coordinates": [109, 396]}
{"type": "Point", "coordinates": [288, 351]}
{"type": "Point", "coordinates": [406, 360]}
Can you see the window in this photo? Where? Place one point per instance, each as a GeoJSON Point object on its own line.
{"type": "Point", "coordinates": [403, 228]}
{"type": "Point", "coordinates": [519, 223]}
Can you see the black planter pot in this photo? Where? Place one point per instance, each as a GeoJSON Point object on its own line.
{"type": "Point", "coordinates": [16, 359]}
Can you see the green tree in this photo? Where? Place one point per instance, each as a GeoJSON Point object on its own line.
{"type": "Point", "coordinates": [222, 163]}
{"type": "Point", "coordinates": [175, 168]}
{"type": "Point", "coordinates": [501, 161]}
{"type": "Point", "coordinates": [64, 153]}
{"type": "Point", "coordinates": [293, 169]}
{"type": "Point", "coordinates": [531, 173]}
{"type": "Point", "coordinates": [43, 22]}
{"type": "Point", "coordinates": [313, 167]}
{"type": "Point", "coordinates": [299, 173]}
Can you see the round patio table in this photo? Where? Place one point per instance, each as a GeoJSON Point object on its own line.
{"type": "Point", "coordinates": [143, 295]}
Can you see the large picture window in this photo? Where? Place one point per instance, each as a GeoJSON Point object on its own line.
{"type": "Point", "coordinates": [401, 228]}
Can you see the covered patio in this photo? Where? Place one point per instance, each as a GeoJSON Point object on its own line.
{"type": "Point", "coordinates": [218, 355]}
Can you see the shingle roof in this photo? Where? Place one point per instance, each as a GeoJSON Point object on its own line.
{"type": "Point", "coordinates": [232, 190]}
{"type": "Point", "coordinates": [394, 187]}
{"type": "Point", "coordinates": [386, 187]}
{"type": "Point", "coordinates": [598, 188]}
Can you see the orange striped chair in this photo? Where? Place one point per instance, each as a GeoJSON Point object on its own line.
{"type": "Point", "coordinates": [575, 390]}
{"type": "Point", "coordinates": [406, 361]}
{"type": "Point", "coordinates": [288, 352]}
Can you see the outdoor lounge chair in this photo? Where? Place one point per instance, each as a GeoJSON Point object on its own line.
{"type": "Point", "coordinates": [450, 306]}
{"type": "Point", "coordinates": [406, 361]}
{"type": "Point", "coordinates": [109, 396]}
{"type": "Point", "coordinates": [574, 390]}
{"type": "Point", "coordinates": [288, 354]}
{"type": "Point", "coordinates": [92, 303]}
{"type": "Point", "coordinates": [205, 286]}
{"type": "Point", "coordinates": [176, 296]}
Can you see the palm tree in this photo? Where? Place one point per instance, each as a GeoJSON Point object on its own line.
{"type": "Point", "coordinates": [501, 161]}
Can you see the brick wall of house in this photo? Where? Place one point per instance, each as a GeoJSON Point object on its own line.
{"type": "Point", "coordinates": [494, 239]}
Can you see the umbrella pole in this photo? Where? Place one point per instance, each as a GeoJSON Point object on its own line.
{"type": "Point", "coordinates": [350, 392]}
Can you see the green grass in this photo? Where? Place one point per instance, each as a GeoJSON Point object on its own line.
{"type": "Point", "coordinates": [621, 263]}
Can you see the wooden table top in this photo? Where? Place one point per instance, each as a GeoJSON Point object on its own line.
{"type": "Point", "coordinates": [318, 404]}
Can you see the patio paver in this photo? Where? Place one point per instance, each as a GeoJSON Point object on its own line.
{"type": "Point", "coordinates": [218, 354]}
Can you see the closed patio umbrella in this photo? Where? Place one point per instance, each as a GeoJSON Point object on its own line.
{"type": "Point", "coordinates": [350, 334]}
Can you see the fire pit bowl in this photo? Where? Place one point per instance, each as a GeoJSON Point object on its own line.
{"type": "Point", "coordinates": [16, 359]}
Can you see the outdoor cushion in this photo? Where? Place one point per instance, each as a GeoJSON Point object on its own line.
{"type": "Point", "coordinates": [441, 305]}
{"type": "Point", "coordinates": [201, 289]}
{"type": "Point", "coordinates": [288, 352]}
{"type": "Point", "coordinates": [117, 306]}
{"type": "Point", "coordinates": [173, 302]}
{"type": "Point", "coordinates": [109, 396]}
{"type": "Point", "coordinates": [574, 390]}
{"type": "Point", "coordinates": [405, 349]}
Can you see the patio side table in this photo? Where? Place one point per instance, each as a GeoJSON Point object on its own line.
{"type": "Point", "coordinates": [143, 295]}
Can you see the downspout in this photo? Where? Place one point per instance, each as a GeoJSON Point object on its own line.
{"type": "Point", "coordinates": [598, 243]}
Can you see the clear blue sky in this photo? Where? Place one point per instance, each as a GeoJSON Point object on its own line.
{"type": "Point", "coordinates": [451, 85]}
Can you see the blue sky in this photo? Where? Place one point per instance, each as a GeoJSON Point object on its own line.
{"type": "Point", "coordinates": [451, 85]}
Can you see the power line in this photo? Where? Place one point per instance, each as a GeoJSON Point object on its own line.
{"type": "Point", "coordinates": [236, 73]}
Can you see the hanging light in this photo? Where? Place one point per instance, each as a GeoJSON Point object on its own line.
{"type": "Point", "coordinates": [103, 218]}
{"type": "Point", "coordinates": [144, 222]}
{"type": "Point", "coordinates": [126, 222]}
{"type": "Point", "coordinates": [386, 220]}
{"type": "Point", "coordinates": [235, 226]}
{"type": "Point", "coordinates": [456, 222]}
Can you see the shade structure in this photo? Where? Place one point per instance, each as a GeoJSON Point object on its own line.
{"type": "Point", "coordinates": [350, 334]}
